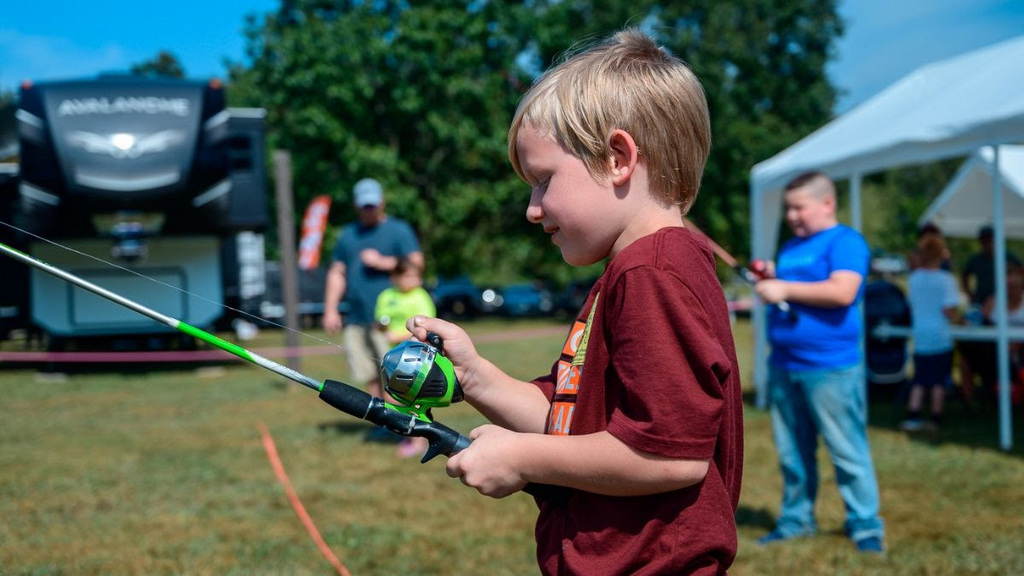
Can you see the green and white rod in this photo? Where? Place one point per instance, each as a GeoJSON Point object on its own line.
{"type": "Point", "coordinates": [164, 319]}
{"type": "Point", "coordinates": [348, 399]}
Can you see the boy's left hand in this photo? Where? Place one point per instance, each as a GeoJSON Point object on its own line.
{"type": "Point", "coordinates": [489, 464]}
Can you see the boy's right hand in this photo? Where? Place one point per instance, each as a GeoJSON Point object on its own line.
{"type": "Point", "coordinates": [458, 348]}
{"type": "Point", "coordinates": [489, 463]}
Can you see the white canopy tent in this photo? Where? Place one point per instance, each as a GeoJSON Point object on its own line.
{"type": "Point", "coordinates": [965, 204]}
{"type": "Point", "coordinates": [946, 109]}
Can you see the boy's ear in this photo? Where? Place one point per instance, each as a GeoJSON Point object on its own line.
{"type": "Point", "coordinates": [623, 156]}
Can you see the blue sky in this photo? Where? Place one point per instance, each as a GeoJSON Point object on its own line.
{"type": "Point", "coordinates": [52, 39]}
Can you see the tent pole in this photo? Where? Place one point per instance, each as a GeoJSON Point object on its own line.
{"type": "Point", "coordinates": [855, 203]}
{"type": "Point", "coordinates": [1002, 324]}
{"type": "Point", "coordinates": [856, 221]}
{"type": "Point", "coordinates": [758, 314]}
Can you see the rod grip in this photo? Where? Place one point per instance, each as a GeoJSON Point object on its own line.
{"type": "Point", "coordinates": [557, 495]}
{"type": "Point", "coordinates": [348, 399]}
{"type": "Point", "coordinates": [442, 439]}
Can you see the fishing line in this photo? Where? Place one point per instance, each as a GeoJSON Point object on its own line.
{"type": "Point", "coordinates": [182, 290]}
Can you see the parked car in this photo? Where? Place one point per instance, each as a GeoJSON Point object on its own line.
{"type": "Point", "coordinates": [458, 298]}
{"type": "Point", "coordinates": [524, 300]}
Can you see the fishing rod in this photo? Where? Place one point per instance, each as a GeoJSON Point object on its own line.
{"type": "Point", "coordinates": [757, 271]}
{"type": "Point", "coordinates": [416, 374]}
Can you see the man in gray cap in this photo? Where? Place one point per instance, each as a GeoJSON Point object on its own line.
{"type": "Point", "coordinates": [364, 256]}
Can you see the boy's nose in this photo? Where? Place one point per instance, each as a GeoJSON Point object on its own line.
{"type": "Point", "coordinates": [534, 213]}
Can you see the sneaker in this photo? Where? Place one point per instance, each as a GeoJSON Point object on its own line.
{"type": "Point", "coordinates": [776, 536]}
{"type": "Point", "coordinates": [912, 425]}
{"type": "Point", "coordinates": [870, 545]}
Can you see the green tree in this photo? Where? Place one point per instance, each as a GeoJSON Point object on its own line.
{"type": "Point", "coordinates": [762, 64]}
{"type": "Point", "coordinates": [419, 95]}
{"type": "Point", "coordinates": [164, 64]}
{"type": "Point", "coordinates": [763, 68]}
{"type": "Point", "coordinates": [895, 199]}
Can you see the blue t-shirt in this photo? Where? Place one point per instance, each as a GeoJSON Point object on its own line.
{"type": "Point", "coordinates": [813, 338]}
{"type": "Point", "coordinates": [392, 237]}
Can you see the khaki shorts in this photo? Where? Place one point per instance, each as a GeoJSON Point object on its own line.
{"type": "Point", "coordinates": [365, 346]}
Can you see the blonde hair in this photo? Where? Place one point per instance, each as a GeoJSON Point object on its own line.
{"type": "Point", "coordinates": [628, 83]}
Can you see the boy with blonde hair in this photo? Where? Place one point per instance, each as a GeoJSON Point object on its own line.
{"type": "Point", "coordinates": [639, 422]}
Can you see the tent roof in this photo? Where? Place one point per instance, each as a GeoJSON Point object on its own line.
{"type": "Point", "coordinates": [941, 110]}
{"type": "Point", "coordinates": [965, 205]}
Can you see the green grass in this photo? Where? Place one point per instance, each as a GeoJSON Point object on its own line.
{"type": "Point", "coordinates": [163, 472]}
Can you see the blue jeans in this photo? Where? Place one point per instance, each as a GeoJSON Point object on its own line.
{"type": "Point", "coordinates": [832, 403]}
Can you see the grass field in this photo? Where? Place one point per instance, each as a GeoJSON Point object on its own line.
{"type": "Point", "coordinates": [163, 472]}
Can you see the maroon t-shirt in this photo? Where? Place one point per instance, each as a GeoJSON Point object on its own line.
{"type": "Point", "coordinates": [651, 360]}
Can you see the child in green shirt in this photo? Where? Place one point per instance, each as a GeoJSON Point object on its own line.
{"type": "Point", "coordinates": [406, 298]}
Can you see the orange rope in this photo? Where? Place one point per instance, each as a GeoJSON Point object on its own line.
{"type": "Point", "coordinates": [300, 510]}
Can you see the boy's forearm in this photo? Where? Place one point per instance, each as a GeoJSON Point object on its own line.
{"type": "Point", "coordinates": [840, 289]}
{"type": "Point", "coordinates": [602, 464]}
{"type": "Point", "coordinates": [503, 400]}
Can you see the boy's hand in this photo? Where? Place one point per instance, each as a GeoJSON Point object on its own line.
{"type": "Point", "coordinates": [772, 291]}
{"type": "Point", "coordinates": [458, 348]}
{"type": "Point", "coordinates": [489, 463]}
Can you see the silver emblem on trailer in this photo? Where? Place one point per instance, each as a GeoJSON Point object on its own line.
{"type": "Point", "coordinates": [123, 145]}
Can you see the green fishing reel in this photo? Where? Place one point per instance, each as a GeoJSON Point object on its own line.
{"type": "Point", "coordinates": [419, 377]}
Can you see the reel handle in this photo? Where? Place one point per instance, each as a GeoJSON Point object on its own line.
{"type": "Point", "coordinates": [435, 340]}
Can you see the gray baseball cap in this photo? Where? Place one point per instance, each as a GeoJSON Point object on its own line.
{"type": "Point", "coordinates": [368, 192]}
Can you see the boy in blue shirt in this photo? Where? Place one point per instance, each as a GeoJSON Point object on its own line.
{"type": "Point", "coordinates": [816, 382]}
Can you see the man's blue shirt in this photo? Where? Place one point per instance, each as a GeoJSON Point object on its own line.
{"type": "Point", "coordinates": [392, 237]}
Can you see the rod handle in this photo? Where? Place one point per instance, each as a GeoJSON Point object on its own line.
{"type": "Point", "coordinates": [441, 438]}
{"type": "Point", "coordinates": [348, 399]}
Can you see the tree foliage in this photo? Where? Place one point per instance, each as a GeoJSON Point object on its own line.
{"type": "Point", "coordinates": [164, 64]}
{"type": "Point", "coordinates": [763, 68]}
{"type": "Point", "coordinates": [419, 95]}
{"type": "Point", "coordinates": [895, 199]}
